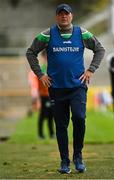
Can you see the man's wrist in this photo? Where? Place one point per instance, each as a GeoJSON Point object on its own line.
{"type": "Point", "coordinates": [40, 76]}
{"type": "Point", "coordinates": [92, 70]}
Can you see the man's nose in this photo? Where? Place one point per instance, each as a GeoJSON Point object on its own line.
{"type": "Point", "coordinates": [64, 15]}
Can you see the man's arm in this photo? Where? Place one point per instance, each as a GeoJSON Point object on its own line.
{"type": "Point", "coordinates": [92, 43]}
{"type": "Point", "coordinates": [38, 44]}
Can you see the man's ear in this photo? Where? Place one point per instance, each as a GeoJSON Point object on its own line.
{"type": "Point", "coordinates": [72, 16]}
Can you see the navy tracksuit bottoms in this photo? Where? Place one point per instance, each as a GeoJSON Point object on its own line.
{"type": "Point", "coordinates": [63, 102]}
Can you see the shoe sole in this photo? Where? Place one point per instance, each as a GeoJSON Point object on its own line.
{"type": "Point", "coordinates": [64, 172]}
{"type": "Point", "coordinates": [80, 171]}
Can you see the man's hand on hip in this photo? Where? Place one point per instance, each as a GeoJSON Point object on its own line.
{"type": "Point", "coordinates": [85, 77]}
{"type": "Point", "coordinates": [46, 80]}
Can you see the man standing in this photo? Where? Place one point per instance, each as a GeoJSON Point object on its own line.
{"type": "Point", "coordinates": [67, 79]}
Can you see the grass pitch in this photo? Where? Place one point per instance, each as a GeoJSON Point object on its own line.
{"type": "Point", "coordinates": [25, 156]}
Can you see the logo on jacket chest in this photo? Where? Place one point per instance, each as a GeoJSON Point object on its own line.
{"type": "Point", "coordinates": [67, 42]}
{"type": "Point", "coordinates": [66, 49]}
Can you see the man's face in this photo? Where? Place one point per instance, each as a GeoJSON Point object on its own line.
{"type": "Point", "coordinates": [63, 18]}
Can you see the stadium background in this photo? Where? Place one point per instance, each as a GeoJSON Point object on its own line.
{"type": "Point", "coordinates": [20, 23]}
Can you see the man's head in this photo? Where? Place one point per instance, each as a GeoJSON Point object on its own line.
{"type": "Point", "coordinates": [64, 15]}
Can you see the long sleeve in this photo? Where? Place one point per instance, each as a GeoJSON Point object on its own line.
{"type": "Point", "coordinates": [92, 43]}
{"type": "Point", "coordinates": [38, 44]}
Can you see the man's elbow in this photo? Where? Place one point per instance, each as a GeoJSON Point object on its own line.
{"type": "Point", "coordinates": [102, 51]}
{"type": "Point", "coordinates": [27, 53]}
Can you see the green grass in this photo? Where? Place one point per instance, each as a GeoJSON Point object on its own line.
{"type": "Point", "coordinates": [25, 156]}
{"type": "Point", "coordinates": [99, 129]}
{"type": "Point", "coordinates": [37, 161]}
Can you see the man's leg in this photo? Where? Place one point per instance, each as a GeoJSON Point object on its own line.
{"type": "Point", "coordinates": [41, 118]}
{"type": "Point", "coordinates": [78, 109]}
{"type": "Point", "coordinates": [61, 114]}
{"type": "Point", "coordinates": [48, 115]}
{"type": "Point", "coordinates": [40, 125]}
{"type": "Point", "coordinates": [50, 122]}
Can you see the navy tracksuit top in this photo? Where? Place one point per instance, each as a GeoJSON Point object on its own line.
{"type": "Point", "coordinates": [65, 58]}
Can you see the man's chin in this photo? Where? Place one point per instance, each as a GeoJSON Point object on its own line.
{"type": "Point", "coordinates": [64, 24]}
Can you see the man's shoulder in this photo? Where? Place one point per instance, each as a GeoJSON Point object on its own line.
{"type": "Point", "coordinates": [44, 36]}
{"type": "Point", "coordinates": [46, 32]}
{"type": "Point", "coordinates": [86, 34]}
